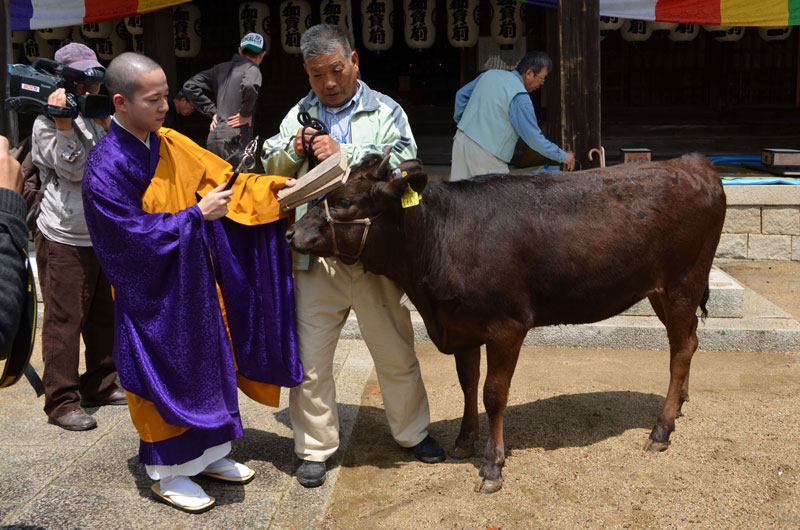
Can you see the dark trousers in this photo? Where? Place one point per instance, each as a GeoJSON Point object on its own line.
{"type": "Point", "coordinates": [77, 301]}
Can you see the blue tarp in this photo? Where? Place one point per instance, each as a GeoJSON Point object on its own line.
{"type": "Point", "coordinates": [730, 179]}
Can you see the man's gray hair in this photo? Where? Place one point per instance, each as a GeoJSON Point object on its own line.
{"type": "Point", "coordinates": [535, 61]}
{"type": "Point", "coordinates": [324, 39]}
{"type": "Point", "coordinates": [122, 75]}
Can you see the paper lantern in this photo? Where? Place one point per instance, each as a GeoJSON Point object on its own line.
{"type": "Point", "coordinates": [53, 33]}
{"type": "Point", "coordinates": [462, 23]}
{"type": "Point", "coordinates": [137, 43]}
{"type": "Point", "coordinates": [377, 30]}
{"type": "Point", "coordinates": [96, 30]}
{"type": "Point", "coordinates": [254, 17]}
{"type": "Point", "coordinates": [115, 43]}
{"type": "Point", "coordinates": [420, 31]}
{"type": "Point", "coordinates": [506, 25]}
{"type": "Point", "coordinates": [18, 37]}
{"type": "Point", "coordinates": [684, 32]}
{"type": "Point", "coordinates": [336, 12]}
{"type": "Point", "coordinates": [35, 46]}
{"type": "Point", "coordinates": [611, 23]}
{"type": "Point", "coordinates": [636, 30]}
{"type": "Point", "coordinates": [725, 33]}
{"type": "Point", "coordinates": [134, 25]}
{"type": "Point", "coordinates": [664, 26]}
{"type": "Point", "coordinates": [74, 35]}
{"type": "Point", "coordinates": [295, 20]}
{"type": "Point", "coordinates": [772, 33]}
{"type": "Point", "coordinates": [186, 25]}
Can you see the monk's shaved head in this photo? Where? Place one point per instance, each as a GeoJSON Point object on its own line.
{"type": "Point", "coordinates": [122, 75]}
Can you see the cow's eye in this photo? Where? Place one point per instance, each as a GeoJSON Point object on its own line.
{"type": "Point", "coordinates": [344, 203]}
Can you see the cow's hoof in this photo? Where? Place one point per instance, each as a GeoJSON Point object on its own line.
{"type": "Point", "coordinates": [655, 446]}
{"type": "Point", "coordinates": [460, 453]}
{"type": "Point", "coordinates": [489, 486]}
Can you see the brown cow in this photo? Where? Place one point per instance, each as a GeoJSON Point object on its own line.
{"type": "Point", "coordinates": [485, 260]}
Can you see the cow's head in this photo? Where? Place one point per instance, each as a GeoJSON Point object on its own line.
{"type": "Point", "coordinates": [351, 218]}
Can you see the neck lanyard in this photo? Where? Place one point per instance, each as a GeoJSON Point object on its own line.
{"type": "Point", "coordinates": [325, 113]}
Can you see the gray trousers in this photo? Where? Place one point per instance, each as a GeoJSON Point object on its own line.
{"type": "Point", "coordinates": [470, 159]}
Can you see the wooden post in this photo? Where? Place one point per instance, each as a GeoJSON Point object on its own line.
{"type": "Point", "coordinates": [159, 43]}
{"type": "Point", "coordinates": [8, 119]}
{"type": "Point", "coordinates": [578, 65]}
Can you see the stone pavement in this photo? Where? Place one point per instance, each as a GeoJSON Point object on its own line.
{"type": "Point", "coordinates": [53, 479]}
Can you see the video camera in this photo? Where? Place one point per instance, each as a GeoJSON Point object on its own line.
{"type": "Point", "coordinates": [30, 86]}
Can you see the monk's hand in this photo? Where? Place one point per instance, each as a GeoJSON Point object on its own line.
{"type": "Point", "coordinates": [10, 175]}
{"type": "Point", "coordinates": [324, 146]}
{"type": "Point", "coordinates": [215, 204]}
{"type": "Point", "coordinates": [289, 183]}
{"type": "Point", "coordinates": [570, 161]}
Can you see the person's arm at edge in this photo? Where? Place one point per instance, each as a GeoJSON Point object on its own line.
{"type": "Point", "coordinates": [13, 241]}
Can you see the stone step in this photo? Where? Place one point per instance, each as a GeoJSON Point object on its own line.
{"type": "Point", "coordinates": [763, 327]}
{"type": "Point", "coordinates": [726, 299]}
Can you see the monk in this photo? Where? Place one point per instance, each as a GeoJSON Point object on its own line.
{"type": "Point", "coordinates": [202, 287]}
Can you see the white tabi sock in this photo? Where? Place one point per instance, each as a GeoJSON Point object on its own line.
{"type": "Point", "coordinates": [228, 468]}
{"type": "Point", "coordinates": [183, 491]}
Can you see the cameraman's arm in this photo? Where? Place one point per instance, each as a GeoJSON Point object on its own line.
{"type": "Point", "coordinates": [57, 151]}
{"type": "Point", "coordinates": [13, 238]}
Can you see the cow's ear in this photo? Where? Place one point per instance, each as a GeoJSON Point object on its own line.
{"type": "Point", "coordinates": [408, 173]}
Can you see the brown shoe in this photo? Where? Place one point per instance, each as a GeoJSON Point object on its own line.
{"type": "Point", "coordinates": [117, 397]}
{"type": "Point", "coordinates": [76, 420]}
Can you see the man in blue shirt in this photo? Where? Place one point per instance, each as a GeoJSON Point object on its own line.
{"type": "Point", "coordinates": [493, 111]}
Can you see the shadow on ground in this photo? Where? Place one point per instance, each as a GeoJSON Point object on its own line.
{"type": "Point", "coordinates": [568, 420]}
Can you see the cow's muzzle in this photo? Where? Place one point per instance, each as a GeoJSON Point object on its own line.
{"type": "Point", "coordinates": [366, 221]}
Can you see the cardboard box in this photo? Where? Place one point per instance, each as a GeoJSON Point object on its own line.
{"type": "Point", "coordinates": [780, 158]}
{"type": "Point", "coordinates": [634, 154]}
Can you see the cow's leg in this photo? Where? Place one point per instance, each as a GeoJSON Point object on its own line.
{"type": "Point", "coordinates": [679, 305]}
{"type": "Point", "coordinates": [468, 366]}
{"type": "Point", "coordinates": [658, 302]}
{"type": "Point", "coordinates": [501, 359]}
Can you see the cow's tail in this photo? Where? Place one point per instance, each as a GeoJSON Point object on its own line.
{"type": "Point", "coordinates": [703, 300]}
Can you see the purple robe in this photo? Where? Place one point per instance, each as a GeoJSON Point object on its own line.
{"type": "Point", "coordinates": [171, 345]}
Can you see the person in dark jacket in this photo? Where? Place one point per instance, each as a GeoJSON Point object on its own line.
{"type": "Point", "coordinates": [179, 106]}
{"type": "Point", "coordinates": [234, 85]}
{"type": "Point", "coordinates": [13, 241]}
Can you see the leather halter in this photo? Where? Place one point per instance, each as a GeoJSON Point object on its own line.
{"type": "Point", "coordinates": [366, 221]}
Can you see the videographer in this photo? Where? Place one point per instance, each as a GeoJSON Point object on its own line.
{"type": "Point", "coordinates": [13, 239]}
{"type": "Point", "coordinates": [76, 293]}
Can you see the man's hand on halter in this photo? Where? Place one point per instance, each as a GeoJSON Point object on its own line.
{"type": "Point", "coordinates": [215, 204]}
{"type": "Point", "coordinates": [324, 146]}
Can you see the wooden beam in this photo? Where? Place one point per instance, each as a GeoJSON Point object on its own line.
{"type": "Point", "coordinates": [578, 65]}
{"type": "Point", "coordinates": [8, 119]}
{"type": "Point", "coordinates": [159, 43]}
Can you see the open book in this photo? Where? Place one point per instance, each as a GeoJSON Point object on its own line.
{"type": "Point", "coordinates": [326, 176]}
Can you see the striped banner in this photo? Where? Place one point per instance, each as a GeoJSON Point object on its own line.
{"type": "Point", "coordinates": [39, 14]}
{"type": "Point", "coordinates": [711, 12]}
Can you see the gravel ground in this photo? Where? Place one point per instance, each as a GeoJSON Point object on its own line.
{"type": "Point", "coordinates": [574, 430]}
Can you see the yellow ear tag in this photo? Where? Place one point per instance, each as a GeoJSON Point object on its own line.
{"type": "Point", "coordinates": [410, 197]}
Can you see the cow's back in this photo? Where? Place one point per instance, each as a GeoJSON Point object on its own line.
{"type": "Point", "coordinates": [544, 247]}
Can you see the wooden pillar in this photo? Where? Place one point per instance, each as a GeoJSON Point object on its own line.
{"type": "Point", "coordinates": [577, 61]}
{"type": "Point", "coordinates": [159, 43]}
{"type": "Point", "coordinates": [8, 119]}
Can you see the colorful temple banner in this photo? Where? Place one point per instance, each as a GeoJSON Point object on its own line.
{"type": "Point", "coordinates": [38, 14]}
{"type": "Point", "coordinates": [711, 12]}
